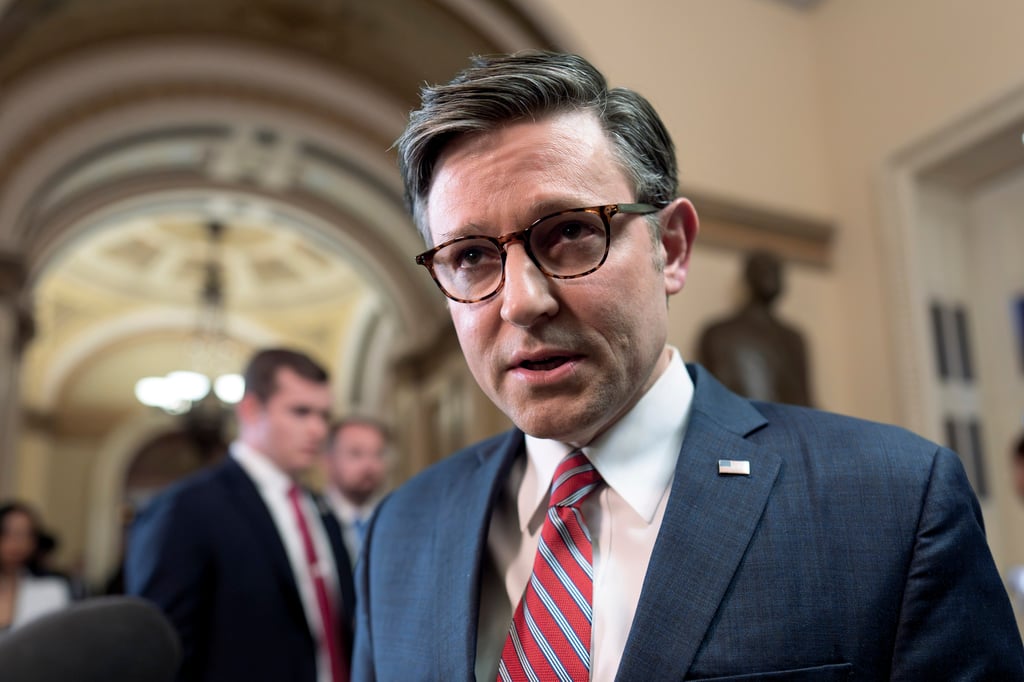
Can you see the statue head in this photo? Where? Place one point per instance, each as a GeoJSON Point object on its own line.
{"type": "Point", "coordinates": [764, 276]}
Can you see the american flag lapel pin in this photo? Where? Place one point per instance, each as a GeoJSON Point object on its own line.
{"type": "Point", "coordinates": [734, 467]}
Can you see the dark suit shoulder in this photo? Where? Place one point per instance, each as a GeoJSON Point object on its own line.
{"type": "Point", "coordinates": [804, 424]}
{"type": "Point", "coordinates": [849, 453]}
{"type": "Point", "coordinates": [196, 491]}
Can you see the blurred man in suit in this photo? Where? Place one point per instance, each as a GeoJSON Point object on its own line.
{"type": "Point", "coordinates": [356, 465]}
{"type": "Point", "coordinates": [640, 522]}
{"type": "Point", "coordinates": [253, 574]}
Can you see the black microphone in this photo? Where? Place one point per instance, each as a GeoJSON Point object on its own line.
{"type": "Point", "coordinates": [105, 639]}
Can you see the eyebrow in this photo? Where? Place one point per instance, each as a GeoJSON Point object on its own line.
{"type": "Point", "coordinates": [466, 231]}
{"type": "Point", "coordinates": [539, 209]}
{"type": "Point", "coordinates": [555, 204]}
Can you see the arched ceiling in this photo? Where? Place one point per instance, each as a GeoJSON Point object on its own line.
{"type": "Point", "coordinates": [128, 125]}
{"type": "Point", "coordinates": [161, 258]}
{"type": "Point", "coordinates": [396, 43]}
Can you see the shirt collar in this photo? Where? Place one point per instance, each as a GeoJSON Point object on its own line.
{"type": "Point", "coordinates": [260, 469]}
{"type": "Point", "coordinates": [346, 509]}
{"type": "Point", "coordinates": [636, 457]}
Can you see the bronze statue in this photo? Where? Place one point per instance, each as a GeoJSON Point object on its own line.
{"type": "Point", "coordinates": [753, 352]}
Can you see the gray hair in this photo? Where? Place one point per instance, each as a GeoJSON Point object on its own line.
{"type": "Point", "coordinates": [501, 89]}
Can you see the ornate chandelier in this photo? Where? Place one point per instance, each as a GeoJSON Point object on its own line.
{"type": "Point", "coordinates": [180, 391]}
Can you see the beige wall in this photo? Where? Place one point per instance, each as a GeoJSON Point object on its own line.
{"type": "Point", "coordinates": [735, 80]}
{"type": "Point", "coordinates": [798, 111]}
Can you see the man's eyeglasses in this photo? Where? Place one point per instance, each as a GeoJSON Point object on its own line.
{"type": "Point", "coordinates": [563, 245]}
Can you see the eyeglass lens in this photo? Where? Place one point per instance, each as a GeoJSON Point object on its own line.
{"type": "Point", "coordinates": [564, 245]}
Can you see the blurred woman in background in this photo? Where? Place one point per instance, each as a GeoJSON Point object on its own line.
{"type": "Point", "coordinates": [26, 592]}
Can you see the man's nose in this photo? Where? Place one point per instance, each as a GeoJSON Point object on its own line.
{"type": "Point", "coordinates": [527, 295]}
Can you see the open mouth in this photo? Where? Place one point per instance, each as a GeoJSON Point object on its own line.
{"type": "Point", "coordinates": [545, 364]}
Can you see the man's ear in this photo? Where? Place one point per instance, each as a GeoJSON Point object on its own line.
{"type": "Point", "coordinates": [248, 407]}
{"type": "Point", "coordinates": [678, 233]}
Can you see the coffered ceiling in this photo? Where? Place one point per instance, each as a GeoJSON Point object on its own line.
{"type": "Point", "coordinates": [127, 126]}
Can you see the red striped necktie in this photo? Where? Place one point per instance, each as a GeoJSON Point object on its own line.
{"type": "Point", "coordinates": [332, 640]}
{"type": "Point", "coordinates": [549, 638]}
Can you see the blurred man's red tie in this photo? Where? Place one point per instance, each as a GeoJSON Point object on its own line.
{"type": "Point", "coordinates": [339, 671]}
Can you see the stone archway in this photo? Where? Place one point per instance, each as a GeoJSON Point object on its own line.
{"type": "Point", "coordinates": [289, 107]}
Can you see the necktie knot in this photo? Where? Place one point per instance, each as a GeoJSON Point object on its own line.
{"type": "Point", "coordinates": [359, 524]}
{"type": "Point", "coordinates": [574, 479]}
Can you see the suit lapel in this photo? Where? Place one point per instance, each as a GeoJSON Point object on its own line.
{"type": "Point", "coordinates": [342, 563]}
{"type": "Point", "coordinates": [461, 542]}
{"type": "Point", "coordinates": [709, 521]}
{"type": "Point", "coordinates": [245, 498]}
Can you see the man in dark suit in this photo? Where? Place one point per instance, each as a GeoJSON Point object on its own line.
{"type": "Point", "coordinates": [355, 465]}
{"type": "Point", "coordinates": [688, 533]}
{"type": "Point", "coordinates": [248, 567]}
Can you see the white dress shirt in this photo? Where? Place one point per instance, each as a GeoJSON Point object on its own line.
{"type": "Point", "coordinates": [37, 596]}
{"type": "Point", "coordinates": [348, 515]}
{"type": "Point", "coordinates": [273, 485]}
{"type": "Point", "coordinates": [637, 459]}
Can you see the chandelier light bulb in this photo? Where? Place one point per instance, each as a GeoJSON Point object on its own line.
{"type": "Point", "coordinates": [229, 388]}
{"type": "Point", "coordinates": [150, 391]}
{"type": "Point", "coordinates": [187, 385]}
{"type": "Point", "coordinates": [180, 391]}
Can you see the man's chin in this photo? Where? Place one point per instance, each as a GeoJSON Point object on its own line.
{"type": "Point", "coordinates": [563, 427]}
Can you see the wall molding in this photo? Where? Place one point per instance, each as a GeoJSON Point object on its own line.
{"type": "Point", "coordinates": [740, 226]}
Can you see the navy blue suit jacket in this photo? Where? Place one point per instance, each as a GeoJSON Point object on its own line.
{"type": "Point", "coordinates": [853, 550]}
{"type": "Point", "coordinates": [208, 554]}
